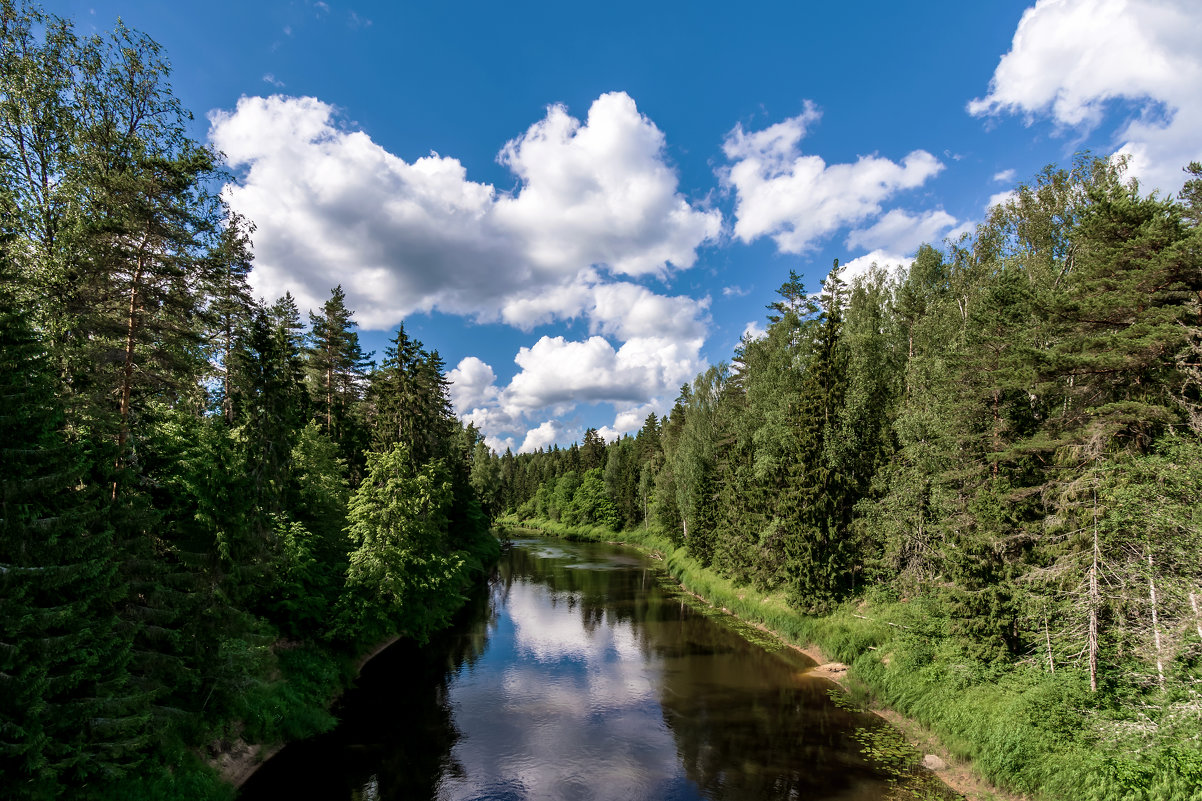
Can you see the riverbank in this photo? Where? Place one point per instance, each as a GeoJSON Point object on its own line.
{"type": "Point", "coordinates": [332, 673]}
{"type": "Point", "coordinates": [237, 761]}
{"type": "Point", "coordinates": [1026, 733]}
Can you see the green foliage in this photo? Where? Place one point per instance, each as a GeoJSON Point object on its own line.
{"type": "Point", "coordinates": [982, 472]}
{"type": "Point", "coordinates": [172, 534]}
{"type": "Point", "coordinates": [402, 575]}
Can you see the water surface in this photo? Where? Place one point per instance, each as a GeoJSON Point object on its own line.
{"type": "Point", "coordinates": [580, 672]}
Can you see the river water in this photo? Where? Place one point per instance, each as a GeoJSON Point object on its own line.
{"type": "Point", "coordinates": [582, 672]}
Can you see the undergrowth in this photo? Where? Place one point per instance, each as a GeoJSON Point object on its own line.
{"type": "Point", "coordinates": [1023, 728]}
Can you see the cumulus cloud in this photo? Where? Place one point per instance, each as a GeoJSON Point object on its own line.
{"type": "Point", "coordinates": [883, 259]}
{"type": "Point", "coordinates": [902, 232]}
{"type": "Point", "coordinates": [799, 199]}
{"type": "Point", "coordinates": [595, 211]}
{"type": "Point", "coordinates": [543, 436]}
{"type": "Point", "coordinates": [596, 198]}
{"type": "Point", "coordinates": [1070, 59]}
{"type": "Point", "coordinates": [998, 198]}
{"type": "Point", "coordinates": [556, 374]}
{"type": "Point", "coordinates": [630, 420]}
{"type": "Point", "coordinates": [1005, 176]}
{"type": "Point", "coordinates": [754, 330]}
{"type": "Point", "coordinates": [472, 384]}
{"type": "Point", "coordinates": [600, 192]}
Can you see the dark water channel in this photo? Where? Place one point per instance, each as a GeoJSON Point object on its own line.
{"type": "Point", "coordinates": [580, 672]}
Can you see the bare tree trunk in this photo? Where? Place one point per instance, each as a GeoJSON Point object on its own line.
{"type": "Point", "coordinates": [1048, 637]}
{"type": "Point", "coordinates": [1155, 619]}
{"type": "Point", "coordinates": [1094, 602]}
{"type": "Point", "coordinates": [330, 402]}
{"type": "Point", "coordinates": [1193, 601]}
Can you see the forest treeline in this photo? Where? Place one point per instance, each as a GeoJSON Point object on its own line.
{"type": "Point", "coordinates": [1007, 433]}
{"type": "Point", "coordinates": [209, 509]}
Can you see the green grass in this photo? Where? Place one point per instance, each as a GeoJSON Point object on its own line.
{"type": "Point", "coordinates": [293, 705]}
{"type": "Point", "coordinates": [1023, 728]}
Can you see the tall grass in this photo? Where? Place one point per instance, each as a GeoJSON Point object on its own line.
{"type": "Point", "coordinates": [1023, 728]}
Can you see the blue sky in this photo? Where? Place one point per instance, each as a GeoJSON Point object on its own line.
{"type": "Point", "coordinates": [581, 206]}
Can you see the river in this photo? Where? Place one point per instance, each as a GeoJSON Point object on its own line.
{"type": "Point", "coordinates": [582, 672]}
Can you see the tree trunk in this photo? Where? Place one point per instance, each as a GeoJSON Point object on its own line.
{"type": "Point", "coordinates": [1193, 601]}
{"type": "Point", "coordinates": [1155, 619]}
{"type": "Point", "coordinates": [1094, 602]}
{"type": "Point", "coordinates": [1048, 637]}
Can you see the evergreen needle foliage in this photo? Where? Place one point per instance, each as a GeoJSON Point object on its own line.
{"type": "Point", "coordinates": [975, 481]}
{"type": "Point", "coordinates": [207, 512]}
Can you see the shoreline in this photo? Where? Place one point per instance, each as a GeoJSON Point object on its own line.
{"type": "Point", "coordinates": [241, 760]}
{"type": "Point", "coordinates": [954, 772]}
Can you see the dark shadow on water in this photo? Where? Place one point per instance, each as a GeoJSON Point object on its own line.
{"type": "Point", "coordinates": [580, 673]}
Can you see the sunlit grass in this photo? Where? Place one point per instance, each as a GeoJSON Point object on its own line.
{"type": "Point", "coordinates": [1022, 728]}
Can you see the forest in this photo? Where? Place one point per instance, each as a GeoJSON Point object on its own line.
{"type": "Point", "coordinates": [210, 507]}
{"type": "Point", "coordinates": [975, 480]}
{"type": "Point", "coordinates": [997, 452]}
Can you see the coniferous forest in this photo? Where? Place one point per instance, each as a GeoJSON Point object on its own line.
{"type": "Point", "coordinates": [210, 506]}
{"type": "Point", "coordinates": [980, 480]}
{"type": "Point", "coordinates": [976, 480]}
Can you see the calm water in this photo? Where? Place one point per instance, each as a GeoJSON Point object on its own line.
{"type": "Point", "coordinates": [580, 673]}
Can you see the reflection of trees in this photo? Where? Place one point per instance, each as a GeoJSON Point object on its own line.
{"type": "Point", "coordinates": [396, 731]}
{"type": "Point", "coordinates": [745, 724]}
{"type": "Point", "coordinates": [748, 726]}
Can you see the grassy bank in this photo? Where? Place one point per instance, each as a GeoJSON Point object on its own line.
{"type": "Point", "coordinates": [1022, 727]}
{"type": "Point", "coordinates": [306, 679]}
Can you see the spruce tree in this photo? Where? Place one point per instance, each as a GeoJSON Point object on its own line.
{"type": "Point", "coordinates": [336, 373]}
{"type": "Point", "coordinates": [68, 713]}
{"type": "Point", "coordinates": [817, 493]}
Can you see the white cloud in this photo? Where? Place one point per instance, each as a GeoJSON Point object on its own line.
{"type": "Point", "coordinates": [546, 434]}
{"type": "Point", "coordinates": [902, 232]}
{"type": "Point", "coordinates": [1071, 58]}
{"type": "Point", "coordinates": [630, 420]}
{"type": "Point", "coordinates": [557, 374]}
{"type": "Point", "coordinates": [754, 330]}
{"type": "Point", "coordinates": [629, 311]}
{"type": "Point", "coordinates": [1005, 176]}
{"type": "Point", "coordinates": [999, 198]}
{"type": "Point", "coordinates": [601, 193]}
{"type": "Point", "coordinates": [798, 199]}
{"type": "Point", "coordinates": [883, 259]}
{"type": "Point", "coordinates": [271, 79]}
{"type": "Point", "coordinates": [596, 199]}
{"type": "Point", "coordinates": [472, 384]}
{"type": "Point", "coordinates": [597, 208]}
{"type": "Point", "coordinates": [734, 291]}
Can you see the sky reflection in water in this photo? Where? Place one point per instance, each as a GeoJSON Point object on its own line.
{"type": "Point", "coordinates": [582, 675]}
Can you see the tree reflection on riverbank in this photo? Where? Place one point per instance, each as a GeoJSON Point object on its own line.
{"type": "Point", "coordinates": [580, 673]}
